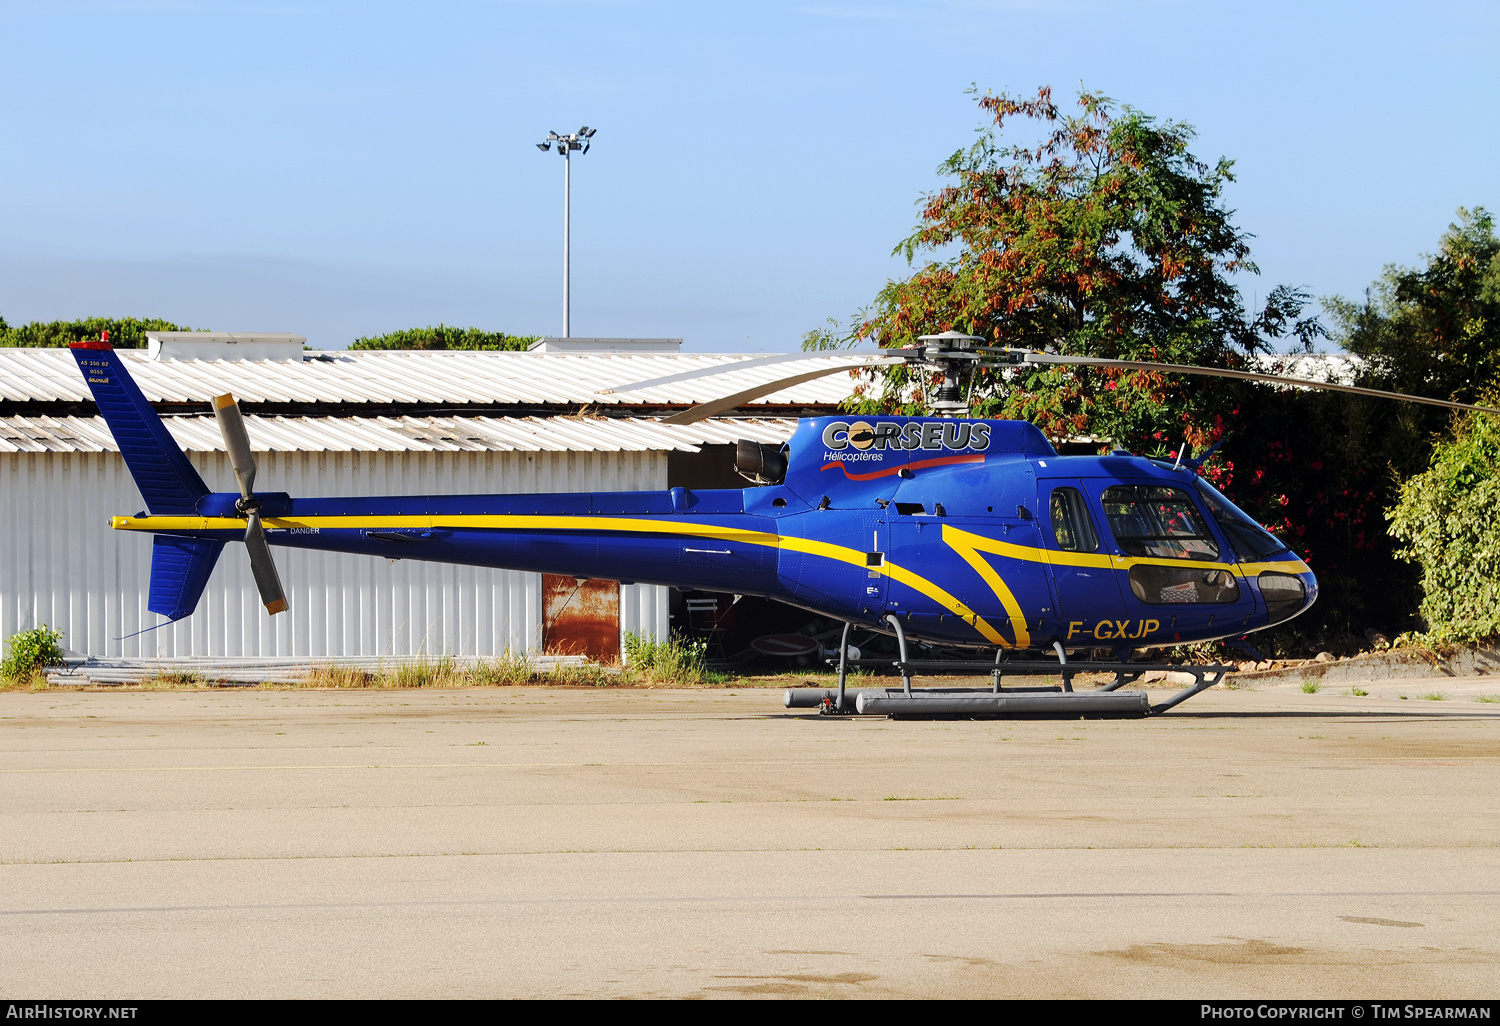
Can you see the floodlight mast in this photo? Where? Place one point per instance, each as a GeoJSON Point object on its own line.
{"type": "Point", "coordinates": [566, 144]}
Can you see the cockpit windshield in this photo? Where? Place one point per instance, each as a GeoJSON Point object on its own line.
{"type": "Point", "coordinates": [1249, 539]}
{"type": "Point", "coordinates": [1155, 520]}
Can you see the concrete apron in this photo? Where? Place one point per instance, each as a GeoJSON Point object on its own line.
{"type": "Point", "coordinates": [1475, 669]}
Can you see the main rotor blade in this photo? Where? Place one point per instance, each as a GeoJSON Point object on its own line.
{"type": "Point", "coordinates": [263, 567]}
{"type": "Point", "coordinates": [1220, 372]}
{"type": "Point", "coordinates": [236, 441]}
{"type": "Point", "coordinates": [716, 406]}
{"type": "Point", "coordinates": [762, 361]}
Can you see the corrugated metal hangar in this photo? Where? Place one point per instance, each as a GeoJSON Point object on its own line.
{"type": "Point", "coordinates": [351, 423]}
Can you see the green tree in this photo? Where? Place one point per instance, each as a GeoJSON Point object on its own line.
{"type": "Point", "coordinates": [1433, 330]}
{"type": "Point", "coordinates": [1108, 238]}
{"type": "Point", "coordinates": [1449, 518]}
{"type": "Point", "coordinates": [124, 332]}
{"type": "Point", "coordinates": [444, 337]}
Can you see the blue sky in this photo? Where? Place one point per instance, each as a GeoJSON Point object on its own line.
{"type": "Point", "coordinates": [339, 169]}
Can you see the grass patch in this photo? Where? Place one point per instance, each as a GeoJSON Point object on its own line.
{"type": "Point", "coordinates": [510, 669]}
{"type": "Point", "coordinates": [36, 680]}
{"type": "Point", "coordinates": [424, 673]}
{"type": "Point", "coordinates": [165, 680]}
{"type": "Point", "coordinates": [445, 672]}
{"type": "Point", "coordinates": [677, 660]}
{"type": "Point", "coordinates": [1358, 692]}
{"type": "Point", "coordinates": [1488, 698]}
{"type": "Point", "coordinates": [1434, 696]}
{"type": "Point", "coordinates": [589, 675]}
{"type": "Point", "coordinates": [339, 677]}
{"type": "Point", "coordinates": [914, 798]}
{"type": "Point", "coordinates": [1311, 687]}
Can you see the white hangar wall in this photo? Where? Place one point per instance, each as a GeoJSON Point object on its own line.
{"type": "Point", "coordinates": [62, 565]}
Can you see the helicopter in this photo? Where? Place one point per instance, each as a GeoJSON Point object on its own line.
{"type": "Point", "coordinates": [950, 530]}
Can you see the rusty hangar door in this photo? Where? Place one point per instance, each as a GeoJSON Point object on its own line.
{"type": "Point", "coordinates": [581, 617]}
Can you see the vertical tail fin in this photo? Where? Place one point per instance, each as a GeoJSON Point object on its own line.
{"type": "Point", "coordinates": [179, 573]}
{"type": "Point", "coordinates": [167, 481]}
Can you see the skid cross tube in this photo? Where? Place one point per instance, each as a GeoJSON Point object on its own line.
{"type": "Point", "coordinates": [901, 644]}
{"type": "Point", "coordinates": [844, 669]}
{"type": "Point", "coordinates": [1062, 659]}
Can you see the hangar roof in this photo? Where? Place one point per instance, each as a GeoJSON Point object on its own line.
{"type": "Point", "coordinates": [405, 434]}
{"type": "Point", "coordinates": [386, 378]}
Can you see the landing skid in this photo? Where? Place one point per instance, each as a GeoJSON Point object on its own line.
{"type": "Point", "coordinates": [1055, 702]}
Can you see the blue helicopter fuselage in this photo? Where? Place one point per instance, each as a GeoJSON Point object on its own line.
{"type": "Point", "coordinates": [971, 532]}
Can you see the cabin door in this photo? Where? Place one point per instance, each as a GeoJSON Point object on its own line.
{"type": "Point", "coordinates": [1080, 556]}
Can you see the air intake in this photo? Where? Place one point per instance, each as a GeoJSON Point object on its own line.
{"type": "Point", "coordinates": [760, 463]}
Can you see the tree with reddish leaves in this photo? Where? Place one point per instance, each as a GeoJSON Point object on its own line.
{"type": "Point", "coordinates": [1105, 237]}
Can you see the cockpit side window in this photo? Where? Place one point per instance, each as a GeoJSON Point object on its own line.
{"type": "Point", "coordinates": [1159, 522]}
{"type": "Point", "coordinates": [1071, 524]}
{"type": "Point", "coordinates": [1245, 535]}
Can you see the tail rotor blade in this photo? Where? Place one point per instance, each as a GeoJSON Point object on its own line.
{"type": "Point", "coordinates": [236, 441]}
{"type": "Point", "coordinates": [263, 567]}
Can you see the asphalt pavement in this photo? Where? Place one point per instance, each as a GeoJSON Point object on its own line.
{"type": "Point", "coordinates": [530, 842]}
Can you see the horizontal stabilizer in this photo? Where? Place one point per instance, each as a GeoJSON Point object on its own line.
{"type": "Point", "coordinates": [179, 572]}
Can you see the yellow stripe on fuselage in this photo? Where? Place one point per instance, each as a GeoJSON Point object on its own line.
{"type": "Point", "coordinates": [538, 522]}
{"type": "Point", "coordinates": [1033, 554]}
{"type": "Point", "coordinates": [967, 544]}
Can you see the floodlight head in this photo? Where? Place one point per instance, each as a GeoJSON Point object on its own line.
{"type": "Point", "coordinates": [544, 146]}
{"type": "Point", "coordinates": [584, 131]}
